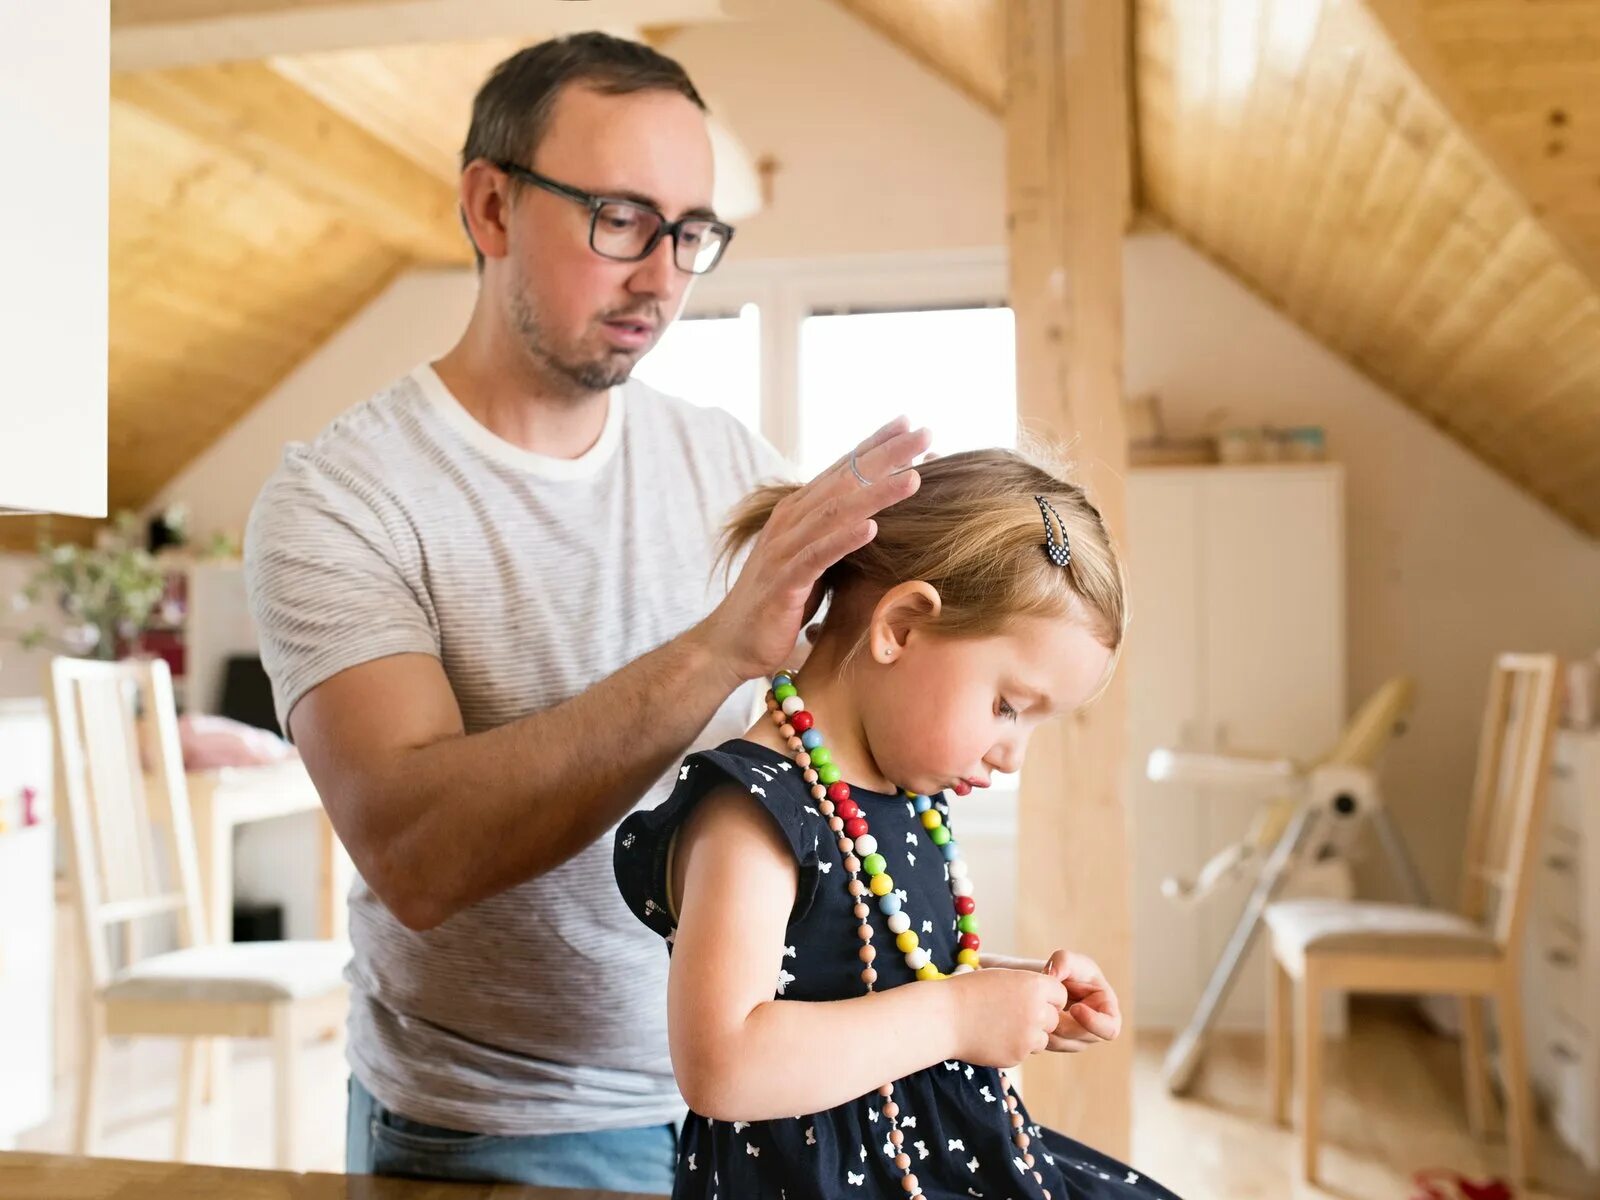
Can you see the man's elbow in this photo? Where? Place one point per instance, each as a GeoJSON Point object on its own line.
{"type": "Point", "coordinates": [413, 894]}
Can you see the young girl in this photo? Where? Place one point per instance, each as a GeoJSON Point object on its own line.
{"type": "Point", "coordinates": [822, 924]}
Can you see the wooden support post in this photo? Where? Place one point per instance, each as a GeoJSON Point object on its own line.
{"type": "Point", "coordinates": [1067, 134]}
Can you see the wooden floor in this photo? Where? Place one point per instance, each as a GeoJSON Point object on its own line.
{"type": "Point", "coordinates": [1393, 1106]}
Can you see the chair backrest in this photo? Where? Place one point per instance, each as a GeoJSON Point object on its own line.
{"type": "Point", "coordinates": [131, 841]}
{"type": "Point", "coordinates": [1374, 726]}
{"type": "Point", "coordinates": [1508, 793]}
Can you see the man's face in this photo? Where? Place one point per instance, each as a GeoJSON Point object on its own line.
{"type": "Point", "coordinates": [584, 318]}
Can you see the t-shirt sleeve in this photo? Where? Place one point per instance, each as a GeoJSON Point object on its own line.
{"type": "Point", "coordinates": [642, 851]}
{"type": "Point", "coordinates": [329, 581]}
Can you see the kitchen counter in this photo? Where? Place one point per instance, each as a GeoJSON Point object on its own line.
{"type": "Point", "coordinates": [53, 1177]}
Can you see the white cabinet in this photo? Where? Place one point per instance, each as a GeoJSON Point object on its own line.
{"type": "Point", "coordinates": [54, 118]}
{"type": "Point", "coordinates": [1237, 643]}
{"type": "Point", "coordinates": [1561, 984]}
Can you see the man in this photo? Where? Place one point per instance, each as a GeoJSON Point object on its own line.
{"type": "Point", "coordinates": [487, 605]}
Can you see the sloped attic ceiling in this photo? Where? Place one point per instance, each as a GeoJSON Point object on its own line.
{"type": "Point", "coordinates": [1416, 183]}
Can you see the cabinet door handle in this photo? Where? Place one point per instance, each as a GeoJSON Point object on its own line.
{"type": "Point", "coordinates": [1561, 770]}
{"type": "Point", "coordinates": [1559, 1050]}
{"type": "Point", "coordinates": [1222, 735]}
{"type": "Point", "coordinates": [1560, 958]}
{"type": "Point", "coordinates": [1559, 862]}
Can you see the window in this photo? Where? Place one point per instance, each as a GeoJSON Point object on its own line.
{"type": "Point", "coordinates": [713, 359]}
{"type": "Point", "coordinates": [953, 370]}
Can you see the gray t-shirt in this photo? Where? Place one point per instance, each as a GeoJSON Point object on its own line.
{"type": "Point", "coordinates": [407, 527]}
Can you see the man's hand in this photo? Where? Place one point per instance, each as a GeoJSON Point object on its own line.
{"type": "Point", "coordinates": [1092, 1014]}
{"type": "Point", "coordinates": [758, 623]}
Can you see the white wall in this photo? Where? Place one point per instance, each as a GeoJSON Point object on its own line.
{"type": "Point", "coordinates": [875, 153]}
{"type": "Point", "coordinates": [1447, 563]}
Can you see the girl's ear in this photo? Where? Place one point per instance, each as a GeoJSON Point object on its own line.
{"type": "Point", "coordinates": [902, 608]}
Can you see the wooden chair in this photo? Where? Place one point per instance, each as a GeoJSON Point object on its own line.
{"type": "Point", "coordinates": [1475, 953]}
{"type": "Point", "coordinates": [114, 722]}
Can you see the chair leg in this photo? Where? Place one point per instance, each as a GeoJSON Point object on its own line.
{"type": "Point", "coordinates": [89, 1071]}
{"type": "Point", "coordinates": [1475, 1064]}
{"type": "Point", "coordinates": [1514, 1064]}
{"type": "Point", "coordinates": [1308, 1031]}
{"type": "Point", "coordinates": [285, 1061]}
{"type": "Point", "coordinates": [190, 1085]}
{"type": "Point", "coordinates": [1280, 1039]}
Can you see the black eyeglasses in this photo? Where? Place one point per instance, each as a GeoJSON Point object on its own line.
{"type": "Point", "coordinates": [627, 231]}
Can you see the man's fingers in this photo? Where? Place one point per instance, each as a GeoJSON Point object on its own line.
{"type": "Point", "coordinates": [891, 456]}
{"type": "Point", "coordinates": [899, 425]}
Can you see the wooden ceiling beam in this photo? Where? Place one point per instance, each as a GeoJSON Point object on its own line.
{"type": "Point", "coordinates": [151, 34]}
{"type": "Point", "coordinates": [258, 115]}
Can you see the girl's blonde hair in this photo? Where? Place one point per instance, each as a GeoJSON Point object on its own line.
{"type": "Point", "coordinates": [974, 531]}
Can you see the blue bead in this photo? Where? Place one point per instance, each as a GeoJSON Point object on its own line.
{"type": "Point", "coordinates": [922, 804]}
{"type": "Point", "coordinates": [889, 904]}
{"type": "Point", "coordinates": [779, 681]}
{"type": "Point", "coordinates": [949, 850]}
{"type": "Point", "coordinates": [811, 739]}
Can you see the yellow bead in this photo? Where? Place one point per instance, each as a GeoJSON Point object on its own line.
{"type": "Point", "coordinates": [882, 884]}
{"type": "Point", "coordinates": [969, 957]}
{"type": "Point", "coordinates": [930, 972]}
{"type": "Point", "coordinates": [907, 941]}
{"type": "Point", "coordinates": [931, 819]}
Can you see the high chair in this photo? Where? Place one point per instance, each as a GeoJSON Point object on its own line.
{"type": "Point", "coordinates": [130, 863]}
{"type": "Point", "coordinates": [1361, 946]}
{"type": "Point", "coordinates": [1316, 815]}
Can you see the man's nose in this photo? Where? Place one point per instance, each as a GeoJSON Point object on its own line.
{"type": "Point", "coordinates": [657, 273]}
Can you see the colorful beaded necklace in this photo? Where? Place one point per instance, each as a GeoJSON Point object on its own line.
{"type": "Point", "coordinates": [848, 822]}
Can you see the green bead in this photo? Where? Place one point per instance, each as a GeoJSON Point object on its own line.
{"type": "Point", "coordinates": [828, 774]}
{"type": "Point", "coordinates": [968, 924]}
{"type": "Point", "coordinates": [873, 864]}
{"type": "Point", "coordinates": [781, 694]}
{"type": "Point", "coordinates": [821, 756]}
{"type": "Point", "coordinates": [939, 834]}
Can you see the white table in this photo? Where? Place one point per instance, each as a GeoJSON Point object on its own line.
{"type": "Point", "coordinates": [222, 800]}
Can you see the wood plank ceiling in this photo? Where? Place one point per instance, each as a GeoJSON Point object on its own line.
{"type": "Point", "coordinates": [1293, 142]}
{"type": "Point", "coordinates": [1416, 183]}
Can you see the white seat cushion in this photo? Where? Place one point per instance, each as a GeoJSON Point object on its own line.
{"type": "Point", "coordinates": [1368, 927]}
{"type": "Point", "coordinates": [235, 973]}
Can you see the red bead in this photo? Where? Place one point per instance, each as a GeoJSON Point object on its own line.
{"type": "Point", "coordinates": [855, 827]}
{"type": "Point", "coordinates": [839, 791]}
{"type": "Point", "coordinates": [848, 809]}
{"type": "Point", "coordinates": [964, 905]}
{"type": "Point", "coordinates": [802, 721]}
{"type": "Point", "coordinates": [969, 941]}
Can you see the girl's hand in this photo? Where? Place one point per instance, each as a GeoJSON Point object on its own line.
{"type": "Point", "coordinates": [1003, 1016]}
{"type": "Point", "coordinates": [1092, 1014]}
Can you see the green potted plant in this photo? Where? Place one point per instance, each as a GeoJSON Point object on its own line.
{"type": "Point", "coordinates": [106, 594]}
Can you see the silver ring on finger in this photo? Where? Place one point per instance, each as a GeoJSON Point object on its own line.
{"type": "Point", "coordinates": [856, 471]}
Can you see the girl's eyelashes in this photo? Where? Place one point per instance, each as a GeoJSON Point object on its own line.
{"type": "Point", "coordinates": [1006, 710]}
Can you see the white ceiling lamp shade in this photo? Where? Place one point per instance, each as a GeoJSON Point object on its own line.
{"type": "Point", "coordinates": [736, 194]}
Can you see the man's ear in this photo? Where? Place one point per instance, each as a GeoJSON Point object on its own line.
{"type": "Point", "coordinates": [901, 608]}
{"type": "Point", "coordinates": [485, 197]}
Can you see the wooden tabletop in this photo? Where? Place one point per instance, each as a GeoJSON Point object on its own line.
{"type": "Point", "coordinates": [53, 1177]}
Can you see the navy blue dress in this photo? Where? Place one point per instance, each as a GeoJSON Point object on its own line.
{"type": "Point", "coordinates": [956, 1127]}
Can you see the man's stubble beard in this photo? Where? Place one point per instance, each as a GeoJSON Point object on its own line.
{"type": "Point", "coordinates": [587, 377]}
